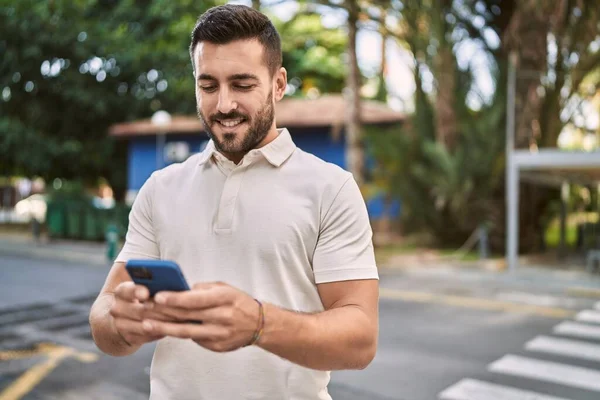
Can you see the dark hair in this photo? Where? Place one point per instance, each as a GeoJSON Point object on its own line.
{"type": "Point", "coordinates": [230, 22]}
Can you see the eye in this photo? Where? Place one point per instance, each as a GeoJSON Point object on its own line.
{"type": "Point", "coordinates": [244, 87]}
{"type": "Point", "coordinates": [208, 89]}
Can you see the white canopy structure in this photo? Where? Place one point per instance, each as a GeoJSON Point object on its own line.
{"type": "Point", "coordinates": [545, 166]}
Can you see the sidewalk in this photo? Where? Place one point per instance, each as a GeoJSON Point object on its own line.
{"type": "Point", "coordinates": [533, 271]}
{"type": "Point", "coordinates": [22, 245]}
{"type": "Point", "coordinates": [94, 254]}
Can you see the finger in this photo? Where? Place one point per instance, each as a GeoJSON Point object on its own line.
{"type": "Point", "coordinates": [146, 337]}
{"type": "Point", "coordinates": [125, 291]}
{"type": "Point", "coordinates": [196, 299]}
{"type": "Point", "coordinates": [128, 327]}
{"type": "Point", "coordinates": [129, 291]}
{"type": "Point", "coordinates": [124, 309]}
{"type": "Point", "coordinates": [162, 316]}
{"type": "Point", "coordinates": [186, 331]}
{"type": "Point", "coordinates": [220, 315]}
{"type": "Point", "coordinates": [142, 293]}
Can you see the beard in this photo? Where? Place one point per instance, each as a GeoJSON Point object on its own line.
{"type": "Point", "coordinates": [241, 143]}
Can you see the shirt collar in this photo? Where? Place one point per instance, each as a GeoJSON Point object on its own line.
{"type": "Point", "coordinates": [207, 153]}
{"type": "Point", "coordinates": [276, 152]}
{"type": "Point", "coordinates": [280, 149]}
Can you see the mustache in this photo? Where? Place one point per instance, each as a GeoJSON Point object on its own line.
{"type": "Point", "coordinates": [230, 115]}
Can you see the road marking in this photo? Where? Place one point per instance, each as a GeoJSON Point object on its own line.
{"type": "Point", "coordinates": [475, 303]}
{"type": "Point", "coordinates": [472, 389]}
{"type": "Point", "coordinates": [8, 355]}
{"type": "Point", "coordinates": [33, 376]}
{"type": "Point", "coordinates": [583, 291]}
{"type": "Point", "coordinates": [565, 347]}
{"type": "Point", "coordinates": [577, 329]}
{"type": "Point", "coordinates": [540, 299]}
{"type": "Point", "coordinates": [588, 316]}
{"type": "Point", "coordinates": [583, 378]}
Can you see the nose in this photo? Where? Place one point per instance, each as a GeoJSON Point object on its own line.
{"type": "Point", "coordinates": [226, 102]}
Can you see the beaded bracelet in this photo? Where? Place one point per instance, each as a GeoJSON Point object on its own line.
{"type": "Point", "coordinates": [261, 324]}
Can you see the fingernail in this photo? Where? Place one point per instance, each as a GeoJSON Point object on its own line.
{"type": "Point", "coordinates": [159, 299]}
{"type": "Point", "coordinates": [139, 293]}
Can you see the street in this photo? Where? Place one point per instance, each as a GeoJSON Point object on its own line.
{"type": "Point", "coordinates": [444, 334]}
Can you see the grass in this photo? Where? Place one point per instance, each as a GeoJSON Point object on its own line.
{"type": "Point", "coordinates": [417, 244]}
{"type": "Point", "coordinates": [552, 234]}
{"type": "Point", "coordinates": [385, 252]}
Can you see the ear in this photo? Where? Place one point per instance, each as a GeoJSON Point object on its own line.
{"type": "Point", "coordinates": [280, 83]}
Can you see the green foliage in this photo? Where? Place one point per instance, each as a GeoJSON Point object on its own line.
{"type": "Point", "coordinates": [312, 54]}
{"type": "Point", "coordinates": [446, 193]}
{"type": "Point", "coordinates": [70, 69]}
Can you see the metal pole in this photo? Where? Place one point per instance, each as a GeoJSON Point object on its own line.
{"type": "Point", "coordinates": [512, 171]}
{"type": "Point", "coordinates": [513, 217]}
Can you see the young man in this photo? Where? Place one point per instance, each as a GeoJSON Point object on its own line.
{"type": "Point", "coordinates": [276, 243]}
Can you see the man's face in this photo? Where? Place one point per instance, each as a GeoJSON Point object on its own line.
{"type": "Point", "coordinates": [235, 94]}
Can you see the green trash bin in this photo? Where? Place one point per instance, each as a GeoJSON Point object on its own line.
{"type": "Point", "coordinates": [74, 212]}
{"type": "Point", "coordinates": [55, 219]}
{"type": "Point", "coordinates": [90, 221]}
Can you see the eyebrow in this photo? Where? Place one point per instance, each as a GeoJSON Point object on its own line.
{"type": "Point", "coordinates": [235, 77]}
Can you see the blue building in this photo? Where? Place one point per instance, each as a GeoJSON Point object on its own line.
{"type": "Point", "coordinates": [316, 125]}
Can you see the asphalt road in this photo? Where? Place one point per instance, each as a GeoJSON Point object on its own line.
{"type": "Point", "coordinates": [443, 334]}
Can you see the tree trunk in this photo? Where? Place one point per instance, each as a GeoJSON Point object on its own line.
{"type": "Point", "coordinates": [527, 34]}
{"type": "Point", "coordinates": [445, 71]}
{"type": "Point", "coordinates": [354, 142]}
{"type": "Point", "coordinates": [445, 115]}
{"type": "Point", "coordinates": [382, 92]}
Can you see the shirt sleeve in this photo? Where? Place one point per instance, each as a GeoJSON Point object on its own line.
{"type": "Point", "coordinates": [344, 248]}
{"type": "Point", "coordinates": [140, 241]}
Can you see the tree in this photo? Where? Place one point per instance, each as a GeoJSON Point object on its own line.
{"type": "Point", "coordinates": [70, 69]}
{"type": "Point", "coordinates": [451, 156]}
{"type": "Point", "coordinates": [355, 11]}
{"type": "Point", "coordinates": [312, 54]}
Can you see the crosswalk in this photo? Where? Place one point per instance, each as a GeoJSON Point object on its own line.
{"type": "Point", "coordinates": [568, 359]}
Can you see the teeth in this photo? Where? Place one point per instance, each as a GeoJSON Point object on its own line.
{"type": "Point", "coordinates": [231, 124]}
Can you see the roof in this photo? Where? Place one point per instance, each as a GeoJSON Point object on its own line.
{"type": "Point", "coordinates": [555, 166]}
{"type": "Point", "coordinates": [325, 111]}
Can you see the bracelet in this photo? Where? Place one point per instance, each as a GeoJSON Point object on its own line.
{"type": "Point", "coordinates": [261, 324]}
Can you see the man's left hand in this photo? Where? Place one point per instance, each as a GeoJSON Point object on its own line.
{"type": "Point", "coordinates": [216, 316]}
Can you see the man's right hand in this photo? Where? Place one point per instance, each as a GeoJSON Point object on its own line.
{"type": "Point", "coordinates": [128, 312]}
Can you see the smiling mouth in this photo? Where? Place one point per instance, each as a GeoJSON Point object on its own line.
{"type": "Point", "coordinates": [231, 123]}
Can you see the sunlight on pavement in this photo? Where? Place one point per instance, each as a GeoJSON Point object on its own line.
{"type": "Point", "coordinates": [475, 303]}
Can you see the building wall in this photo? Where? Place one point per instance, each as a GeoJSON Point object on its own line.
{"type": "Point", "coordinates": [142, 160]}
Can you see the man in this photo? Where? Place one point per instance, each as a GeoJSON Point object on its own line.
{"type": "Point", "coordinates": [275, 242]}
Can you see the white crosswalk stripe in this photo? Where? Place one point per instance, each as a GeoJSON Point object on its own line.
{"type": "Point", "coordinates": [563, 374]}
{"type": "Point", "coordinates": [579, 341]}
{"type": "Point", "coordinates": [588, 316]}
{"type": "Point", "coordinates": [578, 329]}
{"type": "Point", "coordinates": [472, 389]}
{"type": "Point", "coordinates": [565, 347]}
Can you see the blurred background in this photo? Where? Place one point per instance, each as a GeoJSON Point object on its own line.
{"type": "Point", "coordinates": [471, 126]}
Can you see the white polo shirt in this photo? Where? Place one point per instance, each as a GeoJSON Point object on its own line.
{"type": "Point", "coordinates": [274, 226]}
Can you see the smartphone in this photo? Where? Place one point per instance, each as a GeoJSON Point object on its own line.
{"type": "Point", "coordinates": [157, 275]}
